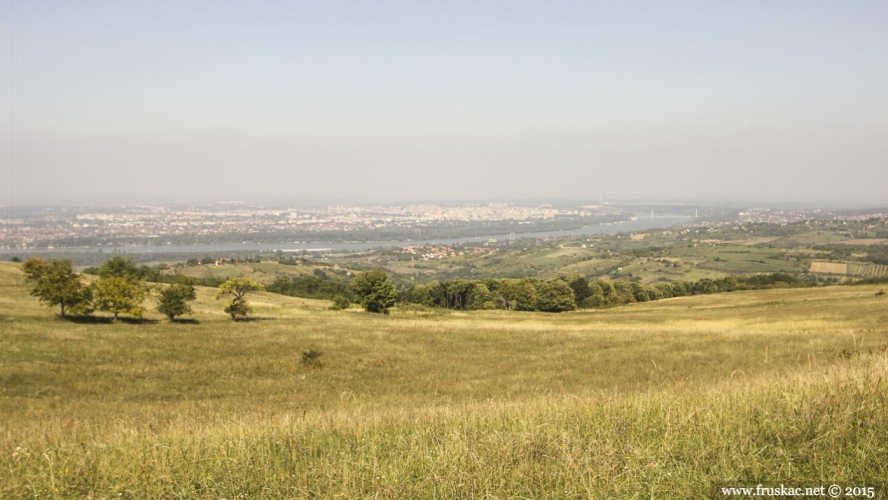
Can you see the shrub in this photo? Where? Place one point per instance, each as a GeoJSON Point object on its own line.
{"type": "Point", "coordinates": [339, 303]}
{"type": "Point", "coordinates": [310, 358]}
{"type": "Point", "coordinates": [238, 309]}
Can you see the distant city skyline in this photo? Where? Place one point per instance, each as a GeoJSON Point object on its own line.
{"type": "Point", "coordinates": [153, 228]}
{"type": "Point", "coordinates": [108, 102]}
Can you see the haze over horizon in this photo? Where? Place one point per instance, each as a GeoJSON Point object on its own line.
{"type": "Point", "coordinates": [758, 101]}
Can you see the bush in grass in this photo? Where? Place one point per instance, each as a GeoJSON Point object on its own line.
{"type": "Point", "coordinates": [340, 303]}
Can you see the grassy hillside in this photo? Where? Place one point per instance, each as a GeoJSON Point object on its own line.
{"type": "Point", "coordinates": [649, 258]}
{"type": "Point", "coordinates": [666, 399]}
{"type": "Point", "coordinates": [686, 253]}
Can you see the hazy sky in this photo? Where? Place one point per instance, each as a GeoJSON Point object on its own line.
{"type": "Point", "coordinates": [386, 101]}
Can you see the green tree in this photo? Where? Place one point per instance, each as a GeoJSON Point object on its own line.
{"type": "Point", "coordinates": [555, 296]}
{"type": "Point", "coordinates": [121, 267]}
{"type": "Point", "coordinates": [419, 294]}
{"type": "Point", "coordinates": [173, 300]}
{"type": "Point", "coordinates": [608, 292]}
{"type": "Point", "coordinates": [434, 295]}
{"type": "Point", "coordinates": [704, 286]}
{"type": "Point", "coordinates": [664, 290]}
{"type": "Point", "coordinates": [581, 289]}
{"type": "Point", "coordinates": [125, 267]}
{"type": "Point", "coordinates": [117, 295]}
{"type": "Point", "coordinates": [480, 297]}
{"type": "Point", "coordinates": [520, 294]}
{"type": "Point", "coordinates": [623, 292]}
{"type": "Point", "coordinates": [56, 284]}
{"type": "Point", "coordinates": [374, 291]}
{"type": "Point", "coordinates": [457, 293]}
{"type": "Point", "coordinates": [237, 289]}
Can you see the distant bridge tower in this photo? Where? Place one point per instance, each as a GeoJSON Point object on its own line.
{"type": "Point", "coordinates": [652, 214]}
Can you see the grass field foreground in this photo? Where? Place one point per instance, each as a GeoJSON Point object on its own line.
{"type": "Point", "coordinates": [672, 398]}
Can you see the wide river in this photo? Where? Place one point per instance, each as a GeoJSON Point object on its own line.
{"type": "Point", "coordinates": [640, 224]}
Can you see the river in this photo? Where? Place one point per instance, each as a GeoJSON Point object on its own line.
{"type": "Point", "coordinates": [639, 224]}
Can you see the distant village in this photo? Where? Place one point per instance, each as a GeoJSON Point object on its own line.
{"type": "Point", "coordinates": [431, 252]}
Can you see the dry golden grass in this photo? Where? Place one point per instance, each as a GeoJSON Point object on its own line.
{"type": "Point", "coordinates": [829, 267]}
{"type": "Point", "coordinates": [666, 399]}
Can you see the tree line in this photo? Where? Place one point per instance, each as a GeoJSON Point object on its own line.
{"type": "Point", "coordinates": [119, 289]}
{"type": "Point", "coordinates": [126, 266]}
{"type": "Point", "coordinates": [876, 254]}
{"type": "Point", "coordinates": [573, 292]}
{"type": "Point", "coordinates": [313, 287]}
{"type": "Point", "coordinates": [122, 287]}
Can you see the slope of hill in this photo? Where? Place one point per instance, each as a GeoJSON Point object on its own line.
{"type": "Point", "coordinates": [673, 398]}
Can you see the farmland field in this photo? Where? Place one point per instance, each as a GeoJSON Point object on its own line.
{"type": "Point", "coordinates": [829, 267]}
{"type": "Point", "coordinates": [852, 268]}
{"type": "Point", "coordinates": [672, 398]}
{"type": "Point", "coordinates": [868, 270]}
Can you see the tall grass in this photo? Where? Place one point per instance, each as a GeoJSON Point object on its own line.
{"type": "Point", "coordinates": [806, 429]}
{"type": "Point", "coordinates": [668, 399]}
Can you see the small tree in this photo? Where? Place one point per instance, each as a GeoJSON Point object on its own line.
{"type": "Point", "coordinates": [56, 284]}
{"type": "Point", "coordinates": [237, 289]}
{"type": "Point", "coordinates": [374, 291]}
{"type": "Point", "coordinates": [173, 300]}
{"type": "Point", "coordinates": [117, 295]}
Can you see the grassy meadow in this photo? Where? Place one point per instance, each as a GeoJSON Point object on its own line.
{"type": "Point", "coordinates": [666, 399]}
